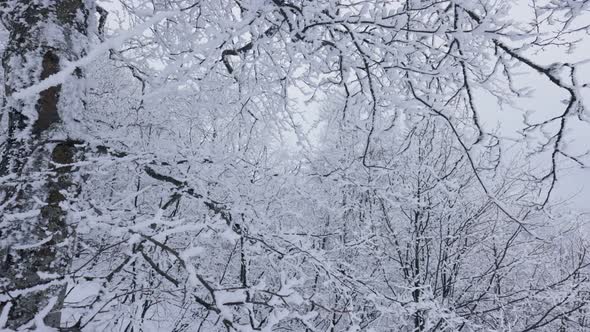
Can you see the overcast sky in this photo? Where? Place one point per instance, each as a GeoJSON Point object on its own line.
{"type": "Point", "coordinates": [573, 181]}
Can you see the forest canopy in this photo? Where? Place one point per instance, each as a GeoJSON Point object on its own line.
{"type": "Point", "coordinates": [293, 165]}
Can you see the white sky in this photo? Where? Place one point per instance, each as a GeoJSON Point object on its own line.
{"type": "Point", "coordinates": [573, 181]}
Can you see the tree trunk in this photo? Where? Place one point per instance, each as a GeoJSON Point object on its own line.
{"type": "Point", "coordinates": [36, 238]}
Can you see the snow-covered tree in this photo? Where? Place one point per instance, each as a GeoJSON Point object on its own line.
{"type": "Point", "coordinates": [290, 165]}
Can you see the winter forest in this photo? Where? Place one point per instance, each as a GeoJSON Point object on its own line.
{"type": "Point", "coordinates": [295, 165]}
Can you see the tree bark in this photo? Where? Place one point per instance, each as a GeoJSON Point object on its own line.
{"type": "Point", "coordinates": [35, 235]}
